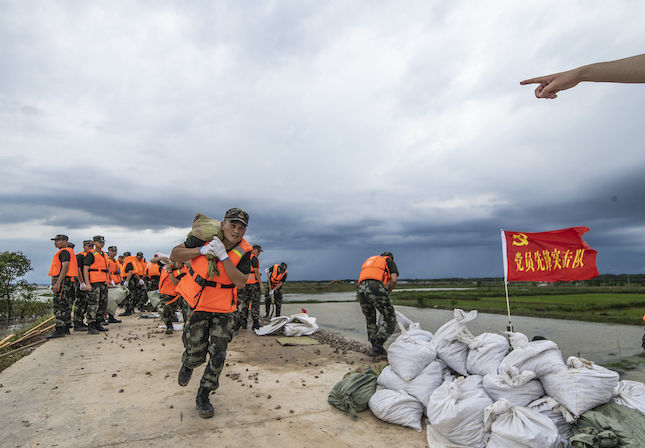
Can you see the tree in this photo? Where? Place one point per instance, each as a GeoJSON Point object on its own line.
{"type": "Point", "coordinates": [13, 265]}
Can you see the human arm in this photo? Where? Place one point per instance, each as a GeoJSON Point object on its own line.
{"type": "Point", "coordinates": [181, 253]}
{"type": "Point", "coordinates": [86, 274]}
{"type": "Point", "coordinates": [627, 70]}
{"type": "Point", "coordinates": [392, 283]}
{"type": "Point", "coordinates": [64, 267]}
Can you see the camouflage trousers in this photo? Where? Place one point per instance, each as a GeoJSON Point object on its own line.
{"type": "Point", "coordinates": [277, 299]}
{"type": "Point", "coordinates": [373, 297]}
{"type": "Point", "coordinates": [80, 304]}
{"type": "Point", "coordinates": [137, 296]}
{"type": "Point", "coordinates": [62, 302]}
{"type": "Point", "coordinates": [153, 283]}
{"type": "Point", "coordinates": [169, 309]}
{"type": "Point", "coordinates": [248, 294]}
{"type": "Point", "coordinates": [97, 302]}
{"type": "Point", "coordinates": [207, 333]}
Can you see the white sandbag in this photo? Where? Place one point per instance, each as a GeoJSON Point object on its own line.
{"type": "Point", "coordinates": [518, 427]}
{"type": "Point", "coordinates": [456, 411]}
{"type": "Point", "coordinates": [401, 320]}
{"type": "Point", "coordinates": [559, 415]}
{"type": "Point", "coordinates": [397, 407]}
{"type": "Point", "coordinates": [409, 356]}
{"type": "Point", "coordinates": [118, 293]}
{"type": "Point", "coordinates": [436, 440]}
{"type": "Point", "coordinates": [485, 353]}
{"type": "Point", "coordinates": [449, 349]}
{"type": "Point", "coordinates": [518, 388]}
{"type": "Point", "coordinates": [631, 394]}
{"type": "Point", "coordinates": [300, 325]}
{"type": "Point", "coordinates": [583, 386]}
{"type": "Point", "coordinates": [415, 332]}
{"type": "Point", "coordinates": [420, 387]}
{"type": "Point", "coordinates": [541, 357]}
{"type": "Point", "coordinates": [274, 325]}
{"type": "Point", "coordinates": [155, 300]}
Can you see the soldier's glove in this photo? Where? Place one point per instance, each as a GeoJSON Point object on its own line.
{"type": "Point", "coordinates": [112, 285]}
{"type": "Point", "coordinates": [125, 283]}
{"type": "Point", "coordinates": [141, 283]}
{"type": "Point", "coordinates": [82, 286]}
{"type": "Point", "coordinates": [215, 248]}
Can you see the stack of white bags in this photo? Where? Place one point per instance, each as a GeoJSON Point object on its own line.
{"type": "Point", "coordinates": [491, 390]}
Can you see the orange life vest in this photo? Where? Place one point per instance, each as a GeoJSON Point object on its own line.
{"type": "Point", "coordinates": [135, 266]}
{"type": "Point", "coordinates": [252, 279]}
{"type": "Point", "coordinates": [375, 268]}
{"type": "Point", "coordinates": [56, 266]}
{"type": "Point", "coordinates": [143, 266]}
{"type": "Point", "coordinates": [217, 293]}
{"type": "Point", "coordinates": [113, 267]}
{"type": "Point", "coordinates": [276, 277]}
{"type": "Point", "coordinates": [165, 285]}
{"type": "Point", "coordinates": [154, 270]}
{"type": "Point", "coordinates": [99, 269]}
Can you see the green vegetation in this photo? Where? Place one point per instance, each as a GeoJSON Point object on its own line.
{"type": "Point", "coordinates": [6, 361]}
{"type": "Point", "coordinates": [607, 298]}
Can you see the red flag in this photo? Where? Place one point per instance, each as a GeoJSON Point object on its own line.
{"type": "Point", "coordinates": [558, 255]}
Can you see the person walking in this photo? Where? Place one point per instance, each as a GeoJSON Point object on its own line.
{"type": "Point", "coordinates": [377, 279]}
{"type": "Point", "coordinates": [63, 268]}
{"type": "Point", "coordinates": [250, 295]}
{"type": "Point", "coordinates": [276, 278]}
{"type": "Point", "coordinates": [211, 292]}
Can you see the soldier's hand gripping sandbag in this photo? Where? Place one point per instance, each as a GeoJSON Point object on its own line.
{"type": "Point", "coordinates": [206, 229]}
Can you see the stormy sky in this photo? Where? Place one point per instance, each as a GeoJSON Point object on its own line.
{"type": "Point", "coordinates": [343, 128]}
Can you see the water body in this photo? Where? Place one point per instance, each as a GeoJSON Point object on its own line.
{"type": "Point", "coordinates": [598, 342]}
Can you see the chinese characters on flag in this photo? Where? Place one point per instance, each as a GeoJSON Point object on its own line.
{"type": "Point", "coordinates": [558, 255]}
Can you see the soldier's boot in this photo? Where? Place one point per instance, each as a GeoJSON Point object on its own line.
{"type": "Point", "coordinates": [92, 329]}
{"type": "Point", "coordinates": [184, 375]}
{"type": "Point", "coordinates": [256, 324]}
{"type": "Point", "coordinates": [378, 350]}
{"type": "Point", "coordinates": [98, 327]}
{"type": "Point", "coordinates": [169, 329]}
{"type": "Point", "coordinates": [113, 320]}
{"type": "Point", "coordinates": [126, 313]}
{"type": "Point", "coordinates": [59, 332]}
{"type": "Point", "coordinates": [80, 326]}
{"type": "Point", "coordinates": [204, 405]}
{"type": "Point", "coordinates": [244, 322]}
{"type": "Point", "coordinates": [66, 330]}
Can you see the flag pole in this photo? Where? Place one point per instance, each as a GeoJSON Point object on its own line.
{"type": "Point", "coordinates": [508, 304]}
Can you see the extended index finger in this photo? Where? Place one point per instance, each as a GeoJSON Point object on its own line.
{"type": "Point", "coordinates": [537, 80]}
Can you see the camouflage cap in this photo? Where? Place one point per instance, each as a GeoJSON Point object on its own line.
{"type": "Point", "coordinates": [388, 254]}
{"type": "Point", "coordinates": [60, 237]}
{"type": "Point", "coordinates": [126, 254]}
{"type": "Point", "coordinates": [283, 265]}
{"type": "Point", "coordinates": [112, 248]}
{"type": "Point", "coordinates": [257, 247]}
{"type": "Point", "coordinates": [88, 243]}
{"type": "Point", "coordinates": [237, 214]}
{"type": "Point", "coordinates": [99, 238]}
{"type": "Point", "coordinates": [139, 254]}
{"type": "Point", "coordinates": [71, 245]}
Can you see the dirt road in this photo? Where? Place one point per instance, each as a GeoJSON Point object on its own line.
{"type": "Point", "coordinates": [120, 389]}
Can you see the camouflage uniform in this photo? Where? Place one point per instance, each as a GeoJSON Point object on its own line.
{"type": "Point", "coordinates": [373, 296]}
{"type": "Point", "coordinates": [80, 305]}
{"type": "Point", "coordinates": [277, 300]}
{"type": "Point", "coordinates": [96, 300]}
{"type": "Point", "coordinates": [249, 294]}
{"type": "Point", "coordinates": [62, 303]}
{"type": "Point", "coordinates": [168, 310]}
{"type": "Point", "coordinates": [207, 332]}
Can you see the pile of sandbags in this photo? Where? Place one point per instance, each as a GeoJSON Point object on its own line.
{"type": "Point", "coordinates": [300, 324]}
{"type": "Point", "coordinates": [491, 390]}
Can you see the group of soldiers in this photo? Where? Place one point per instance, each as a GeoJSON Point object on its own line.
{"type": "Point", "coordinates": [214, 283]}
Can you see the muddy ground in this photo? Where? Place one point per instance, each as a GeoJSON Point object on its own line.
{"type": "Point", "coordinates": [119, 389]}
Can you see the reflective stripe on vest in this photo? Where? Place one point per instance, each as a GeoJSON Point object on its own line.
{"type": "Point", "coordinates": [217, 293]}
{"type": "Point", "coordinates": [375, 268]}
{"type": "Point", "coordinates": [56, 266]}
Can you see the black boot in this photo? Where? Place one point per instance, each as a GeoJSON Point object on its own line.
{"type": "Point", "coordinates": [59, 332]}
{"type": "Point", "coordinates": [204, 405]}
{"type": "Point", "coordinates": [184, 375]}
{"type": "Point", "coordinates": [66, 330]}
{"type": "Point", "coordinates": [126, 313]}
{"type": "Point", "coordinates": [80, 326]}
{"type": "Point", "coordinates": [91, 328]}
{"type": "Point", "coordinates": [256, 324]}
{"type": "Point", "coordinates": [113, 320]}
{"type": "Point", "coordinates": [169, 329]}
{"type": "Point", "coordinates": [378, 350]}
{"type": "Point", "coordinates": [98, 326]}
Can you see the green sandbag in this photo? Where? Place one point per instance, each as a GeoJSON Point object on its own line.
{"type": "Point", "coordinates": [206, 229]}
{"type": "Point", "coordinates": [626, 423]}
{"type": "Point", "coordinates": [155, 300]}
{"type": "Point", "coordinates": [352, 393]}
{"type": "Point", "coordinates": [116, 296]}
